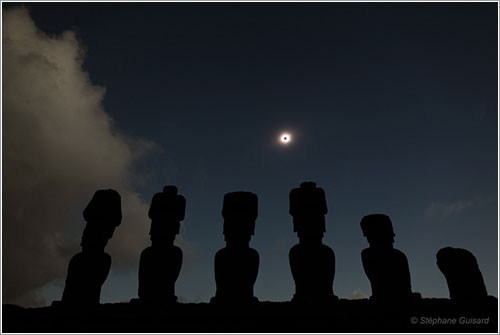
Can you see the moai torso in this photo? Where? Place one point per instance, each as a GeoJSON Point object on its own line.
{"type": "Point", "coordinates": [464, 279]}
{"type": "Point", "coordinates": [236, 270]}
{"type": "Point", "coordinates": [236, 266]}
{"type": "Point", "coordinates": [386, 268]}
{"type": "Point", "coordinates": [88, 269]}
{"type": "Point", "coordinates": [86, 274]}
{"type": "Point", "coordinates": [161, 263]}
{"type": "Point", "coordinates": [312, 263]}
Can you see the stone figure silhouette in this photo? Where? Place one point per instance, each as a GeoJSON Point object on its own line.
{"type": "Point", "coordinates": [88, 269]}
{"type": "Point", "coordinates": [464, 279]}
{"type": "Point", "coordinates": [236, 266]}
{"type": "Point", "coordinates": [312, 263]}
{"type": "Point", "coordinates": [386, 268]}
{"type": "Point", "coordinates": [160, 264]}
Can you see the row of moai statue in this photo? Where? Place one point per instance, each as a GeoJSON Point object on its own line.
{"type": "Point", "coordinates": [236, 266]}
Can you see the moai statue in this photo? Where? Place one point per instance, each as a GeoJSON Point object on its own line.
{"type": "Point", "coordinates": [88, 269]}
{"type": "Point", "coordinates": [160, 264]}
{"type": "Point", "coordinates": [460, 268]}
{"type": "Point", "coordinates": [386, 267]}
{"type": "Point", "coordinates": [236, 266]}
{"type": "Point", "coordinates": [312, 263]}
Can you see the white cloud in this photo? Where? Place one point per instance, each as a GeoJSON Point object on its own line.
{"type": "Point", "coordinates": [357, 294]}
{"type": "Point", "coordinates": [437, 209]}
{"type": "Point", "coordinates": [59, 147]}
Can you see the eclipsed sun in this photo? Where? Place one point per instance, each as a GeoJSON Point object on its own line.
{"type": "Point", "coordinates": [285, 138]}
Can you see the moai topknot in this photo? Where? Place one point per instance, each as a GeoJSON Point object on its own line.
{"type": "Point", "coordinates": [312, 263]}
{"type": "Point", "coordinates": [237, 265]}
{"type": "Point", "coordinates": [88, 269]}
{"type": "Point", "coordinates": [460, 268]}
{"type": "Point", "coordinates": [386, 267]}
{"type": "Point", "coordinates": [160, 264]}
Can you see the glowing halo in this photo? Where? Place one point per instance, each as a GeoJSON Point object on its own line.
{"type": "Point", "coordinates": [285, 138]}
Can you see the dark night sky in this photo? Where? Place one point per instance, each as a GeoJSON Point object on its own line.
{"type": "Point", "coordinates": [392, 108]}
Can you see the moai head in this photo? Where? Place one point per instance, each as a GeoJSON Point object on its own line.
{"type": "Point", "coordinates": [240, 212]}
{"type": "Point", "coordinates": [378, 230]}
{"type": "Point", "coordinates": [308, 208]}
{"type": "Point", "coordinates": [166, 211]}
{"type": "Point", "coordinates": [460, 268]}
{"type": "Point", "coordinates": [103, 214]}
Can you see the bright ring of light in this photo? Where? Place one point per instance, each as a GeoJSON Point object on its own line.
{"type": "Point", "coordinates": [285, 138]}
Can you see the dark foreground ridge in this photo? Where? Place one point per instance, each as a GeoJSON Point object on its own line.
{"type": "Point", "coordinates": [363, 315]}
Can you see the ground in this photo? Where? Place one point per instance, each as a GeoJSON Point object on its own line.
{"type": "Point", "coordinates": [362, 315]}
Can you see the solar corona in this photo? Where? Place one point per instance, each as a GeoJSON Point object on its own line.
{"type": "Point", "coordinates": [285, 138]}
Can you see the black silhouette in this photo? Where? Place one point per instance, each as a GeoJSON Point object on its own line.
{"type": "Point", "coordinates": [160, 264]}
{"type": "Point", "coordinates": [460, 268]}
{"type": "Point", "coordinates": [237, 265]}
{"type": "Point", "coordinates": [88, 269]}
{"type": "Point", "coordinates": [236, 269]}
{"type": "Point", "coordinates": [386, 267]}
{"type": "Point", "coordinates": [312, 263]}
